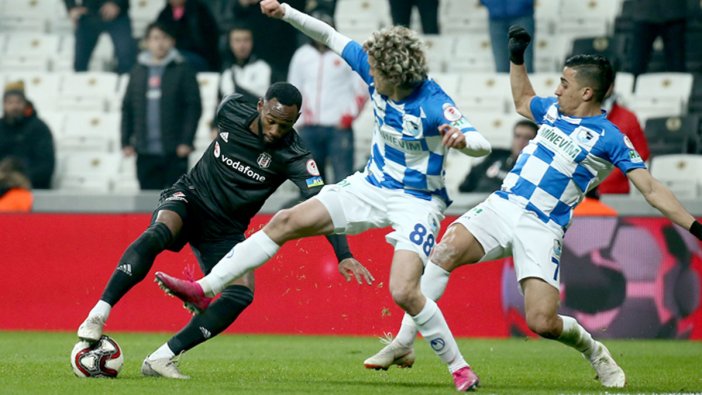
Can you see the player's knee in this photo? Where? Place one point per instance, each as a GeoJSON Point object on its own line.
{"type": "Point", "coordinates": [445, 255]}
{"type": "Point", "coordinates": [403, 295]}
{"type": "Point", "coordinates": [544, 325]}
{"type": "Point", "coordinates": [284, 223]}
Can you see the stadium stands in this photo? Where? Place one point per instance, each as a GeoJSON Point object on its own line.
{"type": "Point", "coordinates": [36, 43]}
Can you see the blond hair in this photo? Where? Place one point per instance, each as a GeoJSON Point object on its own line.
{"type": "Point", "coordinates": [399, 57]}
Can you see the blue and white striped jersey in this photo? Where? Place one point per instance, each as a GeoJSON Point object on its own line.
{"type": "Point", "coordinates": [406, 148]}
{"type": "Point", "coordinates": [567, 157]}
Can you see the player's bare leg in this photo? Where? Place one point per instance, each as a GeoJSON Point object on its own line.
{"type": "Point", "coordinates": [541, 302]}
{"type": "Point", "coordinates": [458, 246]}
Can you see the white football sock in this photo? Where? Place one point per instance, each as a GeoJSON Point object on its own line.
{"type": "Point", "coordinates": [247, 255]}
{"type": "Point", "coordinates": [101, 309]}
{"type": "Point", "coordinates": [574, 335]}
{"type": "Point", "coordinates": [433, 326]}
{"type": "Point", "coordinates": [433, 285]}
{"type": "Point", "coordinates": [162, 352]}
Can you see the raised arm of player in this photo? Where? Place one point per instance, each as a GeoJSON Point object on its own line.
{"type": "Point", "coordinates": [312, 27]}
{"type": "Point", "coordinates": [522, 91]}
{"type": "Point", "coordinates": [660, 197]}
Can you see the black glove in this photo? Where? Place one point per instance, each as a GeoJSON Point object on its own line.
{"type": "Point", "coordinates": [519, 40]}
{"type": "Point", "coordinates": [696, 229]}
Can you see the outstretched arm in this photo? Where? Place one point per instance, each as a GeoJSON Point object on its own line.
{"type": "Point", "coordinates": [522, 91]}
{"type": "Point", "coordinates": [660, 197]}
{"type": "Point", "coordinates": [312, 27]}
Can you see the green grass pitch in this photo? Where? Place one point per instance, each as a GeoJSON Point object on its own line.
{"type": "Point", "coordinates": [38, 363]}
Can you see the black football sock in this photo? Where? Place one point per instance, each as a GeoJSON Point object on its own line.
{"type": "Point", "coordinates": [136, 262]}
{"type": "Point", "coordinates": [215, 319]}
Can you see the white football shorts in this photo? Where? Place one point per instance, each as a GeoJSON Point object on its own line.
{"type": "Point", "coordinates": [504, 228]}
{"type": "Point", "coordinates": [356, 205]}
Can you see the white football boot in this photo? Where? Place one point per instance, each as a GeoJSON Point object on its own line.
{"type": "Point", "coordinates": [91, 329]}
{"type": "Point", "coordinates": [162, 367]}
{"type": "Point", "coordinates": [392, 354]}
{"type": "Point", "coordinates": [609, 373]}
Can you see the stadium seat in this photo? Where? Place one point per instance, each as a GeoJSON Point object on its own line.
{"type": "Point", "coordinates": [624, 84]}
{"type": "Point", "coordinates": [358, 18]}
{"type": "Point", "coordinates": [55, 120]}
{"type": "Point", "coordinates": [461, 17]}
{"type": "Point", "coordinates": [87, 91]}
{"type": "Point", "coordinates": [471, 54]}
{"type": "Point", "coordinates": [90, 131]}
{"type": "Point", "coordinates": [450, 82]}
{"type": "Point", "coordinates": [668, 85]}
{"type": "Point", "coordinates": [143, 12]}
{"type": "Point", "coordinates": [209, 86]}
{"type": "Point", "coordinates": [87, 171]}
{"type": "Point", "coordinates": [661, 94]}
{"type": "Point", "coordinates": [457, 166]}
{"type": "Point", "coordinates": [545, 84]}
{"type": "Point", "coordinates": [438, 52]}
{"type": "Point", "coordinates": [126, 179]}
{"type": "Point", "coordinates": [25, 15]}
{"type": "Point", "coordinates": [36, 83]}
{"type": "Point", "coordinates": [497, 128]}
{"type": "Point", "coordinates": [549, 52]}
{"type": "Point", "coordinates": [673, 135]}
{"type": "Point", "coordinates": [494, 93]}
{"type": "Point", "coordinates": [681, 173]}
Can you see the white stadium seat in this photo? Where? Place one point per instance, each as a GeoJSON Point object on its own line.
{"type": "Point", "coordinates": [86, 171]}
{"type": "Point", "coordinates": [88, 91]}
{"type": "Point", "coordinates": [90, 131]}
{"type": "Point", "coordinates": [681, 173]}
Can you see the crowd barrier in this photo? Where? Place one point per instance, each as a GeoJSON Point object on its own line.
{"type": "Point", "coordinates": [630, 277]}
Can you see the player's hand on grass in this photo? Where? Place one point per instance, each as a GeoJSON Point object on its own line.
{"type": "Point", "coordinates": [272, 8]}
{"type": "Point", "coordinates": [350, 268]}
{"type": "Point", "coordinates": [519, 40]}
{"type": "Point", "coordinates": [452, 137]}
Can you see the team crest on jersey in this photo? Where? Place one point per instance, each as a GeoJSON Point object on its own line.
{"type": "Point", "coordinates": [216, 150]}
{"type": "Point", "coordinates": [224, 136]}
{"type": "Point", "coordinates": [312, 167]}
{"type": "Point", "coordinates": [180, 196]}
{"type": "Point", "coordinates": [451, 113]}
{"type": "Point", "coordinates": [264, 160]}
{"type": "Point", "coordinates": [586, 137]}
{"type": "Point", "coordinates": [411, 125]}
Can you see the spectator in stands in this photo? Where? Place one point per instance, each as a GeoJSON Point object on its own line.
{"type": "Point", "coordinates": [26, 137]}
{"type": "Point", "coordinates": [15, 187]}
{"type": "Point", "coordinates": [333, 96]}
{"type": "Point", "coordinates": [628, 123]}
{"type": "Point", "coordinates": [489, 174]}
{"type": "Point", "coordinates": [653, 18]}
{"type": "Point", "coordinates": [93, 17]}
{"type": "Point", "coordinates": [248, 75]}
{"type": "Point", "coordinates": [401, 12]}
{"type": "Point", "coordinates": [502, 15]}
{"type": "Point", "coordinates": [160, 111]}
{"type": "Point", "coordinates": [196, 32]}
{"type": "Point", "coordinates": [276, 41]}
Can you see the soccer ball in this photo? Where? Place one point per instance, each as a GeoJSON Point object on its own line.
{"type": "Point", "coordinates": [103, 358]}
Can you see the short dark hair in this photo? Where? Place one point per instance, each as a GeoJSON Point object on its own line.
{"type": "Point", "coordinates": [594, 71]}
{"type": "Point", "coordinates": [286, 94]}
{"type": "Point", "coordinates": [240, 26]}
{"type": "Point", "coordinates": [527, 123]}
{"type": "Point", "coordinates": [159, 26]}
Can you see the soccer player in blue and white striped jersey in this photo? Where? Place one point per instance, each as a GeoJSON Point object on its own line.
{"type": "Point", "coordinates": [575, 148]}
{"type": "Point", "coordinates": [402, 186]}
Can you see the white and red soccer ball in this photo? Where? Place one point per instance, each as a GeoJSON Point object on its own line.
{"type": "Point", "coordinates": [103, 358]}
